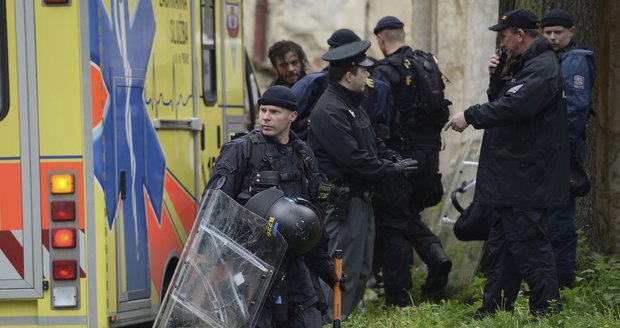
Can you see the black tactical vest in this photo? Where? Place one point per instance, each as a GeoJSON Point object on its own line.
{"type": "Point", "coordinates": [293, 168]}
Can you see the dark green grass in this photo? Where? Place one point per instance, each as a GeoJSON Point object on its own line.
{"type": "Point", "coordinates": [593, 302]}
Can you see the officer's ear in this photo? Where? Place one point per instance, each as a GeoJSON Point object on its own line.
{"type": "Point", "coordinates": [572, 31]}
{"type": "Point", "coordinates": [520, 33]}
{"type": "Point", "coordinates": [293, 116]}
{"type": "Point", "coordinates": [348, 76]}
{"type": "Point", "coordinates": [381, 39]}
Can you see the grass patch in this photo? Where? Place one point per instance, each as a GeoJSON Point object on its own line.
{"type": "Point", "coordinates": [594, 301]}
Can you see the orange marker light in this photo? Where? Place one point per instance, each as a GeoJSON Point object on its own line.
{"type": "Point", "coordinates": [63, 238]}
{"type": "Point", "coordinates": [62, 184]}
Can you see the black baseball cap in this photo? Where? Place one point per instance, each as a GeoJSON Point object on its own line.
{"type": "Point", "coordinates": [519, 18]}
{"type": "Point", "coordinates": [352, 54]}
{"type": "Point", "coordinates": [557, 17]}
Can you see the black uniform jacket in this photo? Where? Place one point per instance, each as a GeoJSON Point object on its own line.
{"type": "Point", "coordinates": [343, 140]}
{"type": "Point", "coordinates": [524, 157]}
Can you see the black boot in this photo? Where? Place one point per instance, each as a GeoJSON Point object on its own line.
{"type": "Point", "coordinates": [397, 296]}
{"type": "Point", "coordinates": [439, 266]}
{"type": "Point", "coordinates": [566, 280]}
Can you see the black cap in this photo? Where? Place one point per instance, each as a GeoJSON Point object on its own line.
{"type": "Point", "coordinates": [519, 18]}
{"type": "Point", "coordinates": [557, 17]}
{"type": "Point", "coordinates": [280, 96]}
{"type": "Point", "coordinates": [352, 54]}
{"type": "Point", "coordinates": [341, 37]}
{"type": "Point", "coordinates": [387, 23]}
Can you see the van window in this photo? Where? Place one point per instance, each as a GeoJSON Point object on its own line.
{"type": "Point", "coordinates": [4, 63]}
{"type": "Point", "coordinates": [209, 86]}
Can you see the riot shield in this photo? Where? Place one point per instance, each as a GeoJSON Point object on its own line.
{"type": "Point", "coordinates": [465, 256]}
{"type": "Point", "coordinates": [226, 268]}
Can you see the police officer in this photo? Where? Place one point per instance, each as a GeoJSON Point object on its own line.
{"type": "Point", "coordinates": [273, 156]}
{"type": "Point", "coordinates": [310, 88]}
{"type": "Point", "coordinates": [351, 155]}
{"type": "Point", "coordinates": [400, 202]}
{"type": "Point", "coordinates": [523, 166]}
{"type": "Point", "coordinates": [578, 69]}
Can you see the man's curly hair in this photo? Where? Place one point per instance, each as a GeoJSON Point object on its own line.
{"type": "Point", "coordinates": [281, 48]}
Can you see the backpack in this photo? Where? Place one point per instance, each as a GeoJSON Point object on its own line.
{"type": "Point", "coordinates": [419, 99]}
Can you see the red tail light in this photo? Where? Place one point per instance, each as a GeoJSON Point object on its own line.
{"type": "Point", "coordinates": [64, 270]}
{"type": "Point", "coordinates": [63, 210]}
{"type": "Point", "coordinates": [63, 238]}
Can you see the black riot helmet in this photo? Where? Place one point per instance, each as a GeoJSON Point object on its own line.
{"type": "Point", "coordinates": [299, 222]}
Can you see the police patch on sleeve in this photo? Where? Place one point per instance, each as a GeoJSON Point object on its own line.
{"type": "Point", "coordinates": [221, 180]}
{"type": "Point", "coordinates": [578, 82]}
{"type": "Point", "coordinates": [515, 88]}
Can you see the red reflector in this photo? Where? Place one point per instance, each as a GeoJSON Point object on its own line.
{"type": "Point", "coordinates": [64, 270]}
{"type": "Point", "coordinates": [63, 238]}
{"type": "Point", "coordinates": [63, 211]}
{"type": "Point", "coordinates": [56, 2]}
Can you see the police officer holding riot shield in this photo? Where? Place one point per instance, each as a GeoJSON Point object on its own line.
{"type": "Point", "coordinates": [269, 157]}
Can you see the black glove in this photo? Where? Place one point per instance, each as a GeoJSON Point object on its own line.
{"type": "Point", "coordinates": [329, 277]}
{"type": "Point", "coordinates": [406, 165]}
{"type": "Point", "coordinates": [396, 157]}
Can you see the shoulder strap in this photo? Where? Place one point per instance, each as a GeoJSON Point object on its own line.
{"type": "Point", "coordinates": [307, 156]}
{"type": "Point", "coordinates": [255, 150]}
{"type": "Point", "coordinates": [394, 60]}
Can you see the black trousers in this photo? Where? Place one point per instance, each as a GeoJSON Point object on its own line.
{"type": "Point", "coordinates": [398, 203]}
{"type": "Point", "coordinates": [297, 289]}
{"type": "Point", "coordinates": [517, 249]}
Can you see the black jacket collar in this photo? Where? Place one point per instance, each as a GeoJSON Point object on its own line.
{"type": "Point", "coordinates": [537, 47]}
{"type": "Point", "coordinates": [352, 98]}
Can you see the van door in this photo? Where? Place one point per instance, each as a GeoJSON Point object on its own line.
{"type": "Point", "coordinates": [132, 163]}
{"type": "Point", "coordinates": [21, 247]}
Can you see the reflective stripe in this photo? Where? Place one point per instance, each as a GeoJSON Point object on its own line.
{"type": "Point", "coordinates": [11, 255]}
{"type": "Point", "coordinates": [8, 270]}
